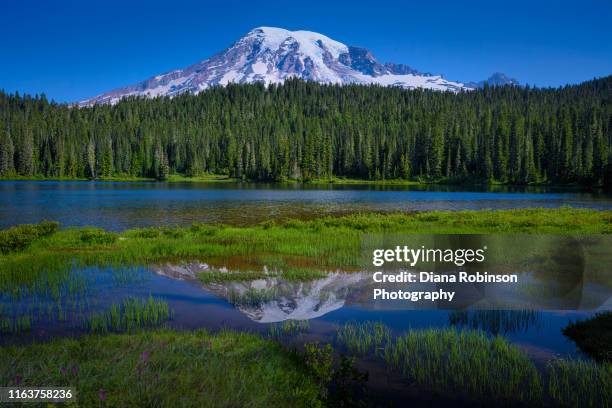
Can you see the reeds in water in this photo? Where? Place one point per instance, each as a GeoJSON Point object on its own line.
{"type": "Point", "coordinates": [129, 316]}
{"type": "Point", "coordinates": [288, 328]}
{"type": "Point", "coordinates": [450, 360]}
{"type": "Point", "coordinates": [363, 339]}
{"type": "Point", "coordinates": [466, 361]}
{"type": "Point", "coordinates": [252, 296]}
{"type": "Point", "coordinates": [578, 383]}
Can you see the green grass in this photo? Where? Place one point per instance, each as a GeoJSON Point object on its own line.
{"type": "Point", "coordinates": [363, 339]}
{"type": "Point", "coordinates": [448, 360]}
{"type": "Point", "coordinates": [18, 238]}
{"type": "Point", "coordinates": [207, 178]}
{"type": "Point", "coordinates": [466, 361]}
{"type": "Point", "coordinates": [9, 325]}
{"type": "Point", "coordinates": [290, 274]}
{"type": "Point", "coordinates": [298, 250]}
{"type": "Point", "coordinates": [131, 315]}
{"type": "Point", "coordinates": [576, 383]}
{"type": "Point", "coordinates": [288, 328]}
{"type": "Point", "coordinates": [166, 369]}
{"type": "Point", "coordinates": [127, 178]}
{"type": "Point", "coordinates": [482, 367]}
{"type": "Point", "coordinates": [252, 296]}
{"type": "Point", "coordinates": [593, 336]}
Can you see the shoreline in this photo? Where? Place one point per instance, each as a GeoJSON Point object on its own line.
{"type": "Point", "coordinates": [340, 181]}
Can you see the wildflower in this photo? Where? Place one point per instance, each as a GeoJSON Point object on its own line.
{"type": "Point", "coordinates": [63, 370]}
{"type": "Point", "coordinates": [102, 394]}
{"type": "Point", "coordinates": [18, 379]}
{"type": "Point", "coordinates": [145, 357]}
{"type": "Point", "coordinates": [75, 370]}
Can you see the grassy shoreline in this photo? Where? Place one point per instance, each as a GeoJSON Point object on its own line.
{"type": "Point", "coordinates": [167, 369]}
{"type": "Point", "coordinates": [299, 249]}
{"type": "Point", "coordinates": [222, 178]}
{"type": "Point", "coordinates": [229, 368]}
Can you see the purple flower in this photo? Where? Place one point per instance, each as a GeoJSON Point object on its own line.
{"type": "Point", "coordinates": [145, 357]}
{"type": "Point", "coordinates": [18, 379]}
{"type": "Point", "coordinates": [75, 370]}
{"type": "Point", "coordinates": [63, 370]}
{"type": "Point", "coordinates": [102, 394]}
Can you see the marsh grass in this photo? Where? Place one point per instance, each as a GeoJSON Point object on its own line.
{"type": "Point", "coordinates": [215, 275]}
{"type": "Point", "coordinates": [290, 274]}
{"type": "Point", "coordinates": [578, 383]}
{"type": "Point", "coordinates": [363, 339]}
{"type": "Point", "coordinates": [131, 315]}
{"type": "Point", "coordinates": [166, 369]}
{"type": "Point", "coordinates": [97, 236]}
{"type": "Point", "coordinates": [19, 237]}
{"type": "Point", "coordinates": [470, 362]}
{"type": "Point", "coordinates": [301, 274]}
{"type": "Point", "coordinates": [449, 360]}
{"type": "Point", "coordinates": [15, 325]}
{"type": "Point", "coordinates": [297, 250]}
{"type": "Point", "coordinates": [252, 296]}
{"type": "Point", "coordinates": [288, 328]}
{"type": "Point", "coordinates": [466, 361]}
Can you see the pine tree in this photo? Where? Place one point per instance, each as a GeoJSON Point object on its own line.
{"type": "Point", "coordinates": [7, 151]}
{"type": "Point", "coordinates": [91, 159]}
{"type": "Point", "coordinates": [25, 155]}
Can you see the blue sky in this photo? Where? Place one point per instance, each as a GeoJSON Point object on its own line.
{"type": "Point", "coordinates": [75, 49]}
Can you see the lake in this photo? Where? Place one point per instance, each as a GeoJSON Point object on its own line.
{"type": "Point", "coordinates": [64, 300]}
{"type": "Point", "coordinates": [323, 303]}
{"type": "Point", "coordinates": [121, 205]}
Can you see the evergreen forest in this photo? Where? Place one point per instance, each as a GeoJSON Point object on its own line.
{"type": "Point", "coordinates": [306, 131]}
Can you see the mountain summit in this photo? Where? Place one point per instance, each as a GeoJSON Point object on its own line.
{"type": "Point", "coordinates": [272, 55]}
{"type": "Point", "coordinates": [497, 79]}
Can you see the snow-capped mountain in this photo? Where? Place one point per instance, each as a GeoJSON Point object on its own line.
{"type": "Point", "coordinates": [271, 55]}
{"type": "Point", "coordinates": [497, 79]}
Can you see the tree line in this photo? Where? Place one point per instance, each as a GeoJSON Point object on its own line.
{"type": "Point", "coordinates": [305, 130]}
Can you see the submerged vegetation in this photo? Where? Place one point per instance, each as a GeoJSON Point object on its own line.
{"type": "Point", "coordinates": [593, 336]}
{"type": "Point", "coordinates": [495, 321]}
{"type": "Point", "coordinates": [166, 369]}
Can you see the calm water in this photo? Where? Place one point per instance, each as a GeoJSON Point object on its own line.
{"type": "Point", "coordinates": [118, 206]}
{"type": "Point", "coordinates": [324, 303]}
